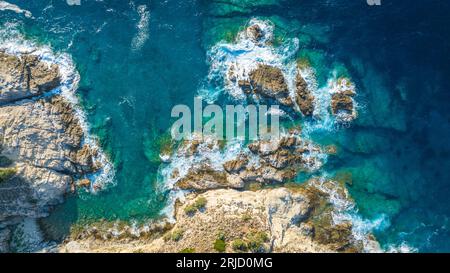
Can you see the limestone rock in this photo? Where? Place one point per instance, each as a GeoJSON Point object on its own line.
{"type": "Point", "coordinates": [294, 219]}
{"type": "Point", "coordinates": [25, 76]}
{"type": "Point", "coordinates": [255, 33]}
{"type": "Point", "coordinates": [342, 102]}
{"type": "Point", "coordinates": [304, 99]}
{"type": "Point", "coordinates": [268, 81]}
{"type": "Point", "coordinates": [42, 138]}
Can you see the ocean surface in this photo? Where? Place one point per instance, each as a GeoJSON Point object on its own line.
{"type": "Point", "coordinates": [137, 59]}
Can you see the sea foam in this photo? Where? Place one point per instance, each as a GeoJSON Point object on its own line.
{"type": "Point", "coordinates": [8, 6]}
{"type": "Point", "coordinates": [142, 28]}
{"type": "Point", "coordinates": [243, 56]}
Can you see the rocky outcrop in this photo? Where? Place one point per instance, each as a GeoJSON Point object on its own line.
{"type": "Point", "coordinates": [42, 139]}
{"type": "Point", "coordinates": [25, 76]}
{"type": "Point", "coordinates": [204, 177]}
{"type": "Point", "coordinates": [262, 162]}
{"type": "Point", "coordinates": [268, 81]}
{"type": "Point", "coordinates": [342, 102]}
{"type": "Point", "coordinates": [255, 33]}
{"type": "Point", "coordinates": [291, 219]}
{"type": "Point", "coordinates": [237, 196]}
{"type": "Point", "coordinates": [304, 98]}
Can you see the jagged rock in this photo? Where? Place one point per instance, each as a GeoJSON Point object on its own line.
{"type": "Point", "coordinates": [25, 77]}
{"type": "Point", "coordinates": [255, 33]}
{"type": "Point", "coordinates": [203, 178]}
{"type": "Point", "coordinates": [342, 102]}
{"type": "Point", "coordinates": [304, 99]}
{"type": "Point", "coordinates": [236, 165]}
{"type": "Point", "coordinates": [274, 161]}
{"type": "Point", "coordinates": [84, 183]}
{"type": "Point", "coordinates": [286, 153]}
{"type": "Point", "coordinates": [245, 86]}
{"type": "Point", "coordinates": [268, 81]}
{"type": "Point", "coordinates": [267, 174]}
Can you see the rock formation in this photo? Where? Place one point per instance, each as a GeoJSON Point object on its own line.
{"type": "Point", "coordinates": [268, 81]}
{"type": "Point", "coordinates": [289, 219]}
{"type": "Point", "coordinates": [304, 99]}
{"type": "Point", "coordinates": [25, 76]}
{"type": "Point", "coordinates": [40, 137]}
{"type": "Point", "coordinates": [262, 161]}
{"type": "Point", "coordinates": [342, 102]}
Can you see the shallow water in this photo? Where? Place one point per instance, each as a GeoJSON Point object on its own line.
{"type": "Point", "coordinates": [138, 59]}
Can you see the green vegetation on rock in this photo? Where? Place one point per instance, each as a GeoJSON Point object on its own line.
{"type": "Point", "coordinates": [188, 250]}
{"type": "Point", "coordinates": [175, 235]}
{"type": "Point", "coordinates": [256, 241]}
{"type": "Point", "coordinates": [6, 174]}
{"type": "Point", "coordinates": [156, 144]}
{"type": "Point", "coordinates": [239, 245]}
{"type": "Point", "coordinates": [198, 204]}
{"type": "Point", "coordinates": [220, 245]}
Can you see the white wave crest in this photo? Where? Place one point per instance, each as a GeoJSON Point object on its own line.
{"type": "Point", "coordinates": [142, 28]}
{"type": "Point", "coordinates": [8, 6]}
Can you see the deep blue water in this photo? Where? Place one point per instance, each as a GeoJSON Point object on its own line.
{"type": "Point", "coordinates": [397, 151]}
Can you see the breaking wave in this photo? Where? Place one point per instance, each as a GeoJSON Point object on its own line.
{"type": "Point", "coordinates": [142, 28]}
{"type": "Point", "coordinates": [8, 6]}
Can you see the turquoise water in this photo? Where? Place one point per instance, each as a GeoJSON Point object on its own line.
{"type": "Point", "coordinates": [137, 62]}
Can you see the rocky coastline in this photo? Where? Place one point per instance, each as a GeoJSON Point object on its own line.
{"type": "Point", "coordinates": [240, 197]}
{"type": "Point", "coordinates": [42, 149]}
{"type": "Point", "coordinates": [230, 201]}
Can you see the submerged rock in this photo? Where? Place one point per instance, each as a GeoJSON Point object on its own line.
{"type": "Point", "coordinates": [5, 236]}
